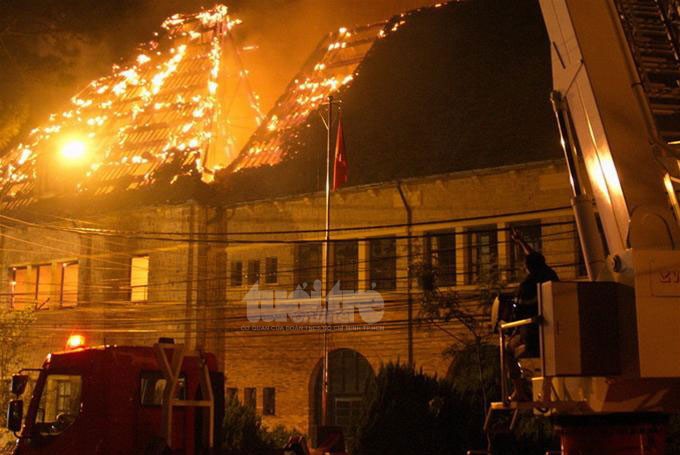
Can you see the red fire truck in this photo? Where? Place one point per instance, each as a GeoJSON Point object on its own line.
{"type": "Point", "coordinates": [120, 399]}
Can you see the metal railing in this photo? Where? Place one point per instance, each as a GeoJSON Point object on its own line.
{"type": "Point", "coordinates": [502, 328]}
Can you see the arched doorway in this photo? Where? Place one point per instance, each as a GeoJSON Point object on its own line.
{"type": "Point", "coordinates": [350, 377]}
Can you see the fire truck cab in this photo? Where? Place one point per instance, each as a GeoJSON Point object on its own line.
{"type": "Point", "coordinates": [120, 399]}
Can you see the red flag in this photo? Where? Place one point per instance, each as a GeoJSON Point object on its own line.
{"type": "Point", "coordinates": [340, 170]}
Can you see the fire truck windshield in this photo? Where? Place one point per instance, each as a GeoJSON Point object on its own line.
{"type": "Point", "coordinates": [59, 403]}
{"type": "Point", "coordinates": [153, 385]}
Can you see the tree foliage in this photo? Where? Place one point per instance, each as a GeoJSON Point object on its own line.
{"type": "Point", "coordinates": [245, 434]}
{"type": "Point", "coordinates": [475, 375]}
{"type": "Point", "coordinates": [410, 412]}
{"type": "Point", "coordinates": [14, 342]}
{"type": "Point", "coordinates": [413, 413]}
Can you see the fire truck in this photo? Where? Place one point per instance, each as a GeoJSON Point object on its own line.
{"type": "Point", "coordinates": [609, 368]}
{"type": "Point", "coordinates": [120, 399]}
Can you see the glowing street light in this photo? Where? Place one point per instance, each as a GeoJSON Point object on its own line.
{"type": "Point", "coordinates": [73, 150]}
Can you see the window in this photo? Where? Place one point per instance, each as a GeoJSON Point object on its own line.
{"type": "Point", "coordinates": [250, 397]}
{"type": "Point", "coordinates": [152, 386]}
{"type": "Point", "coordinates": [531, 233]}
{"type": "Point", "coordinates": [60, 395]}
{"type": "Point", "coordinates": [383, 263]}
{"type": "Point", "coordinates": [68, 292]}
{"type": "Point", "coordinates": [440, 254]}
{"type": "Point", "coordinates": [482, 254]}
{"type": "Point", "coordinates": [269, 401]}
{"type": "Point", "coordinates": [236, 273]}
{"type": "Point", "coordinates": [348, 411]}
{"type": "Point", "coordinates": [345, 264]}
{"type": "Point", "coordinates": [31, 286]}
{"type": "Point", "coordinates": [23, 291]}
{"type": "Point", "coordinates": [44, 284]}
{"type": "Point", "coordinates": [253, 271]}
{"type": "Point", "coordinates": [307, 264]}
{"type": "Point", "coordinates": [271, 266]}
{"type": "Point", "coordinates": [232, 394]}
{"type": "Point", "coordinates": [139, 279]}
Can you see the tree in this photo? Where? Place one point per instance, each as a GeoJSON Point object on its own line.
{"type": "Point", "coordinates": [475, 376]}
{"type": "Point", "coordinates": [470, 309]}
{"type": "Point", "coordinates": [402, 413]}
{"type": "Point", "coordinates": [14, 339]}
{"type": "Point", "coordinates": [245, 434]}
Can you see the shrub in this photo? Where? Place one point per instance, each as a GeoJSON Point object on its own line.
{"type": "Point", "coordinates": [410, 412]}
{"type": "Point", "coordinates": [244, 432]}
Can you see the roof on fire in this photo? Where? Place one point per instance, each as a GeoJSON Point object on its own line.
{"type": "Point", "coordinates": [457, 86]}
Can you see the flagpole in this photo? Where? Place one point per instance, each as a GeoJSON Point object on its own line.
{"type": "Point", "coordinates": [325, 267]}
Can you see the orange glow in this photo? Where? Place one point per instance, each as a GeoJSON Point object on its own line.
{"type": "Point", "coordinates": [75, 342]}
{"type": "Point", "coordinates": [115, 114]}
{"type": "Point", "coordinates": [74, 150]}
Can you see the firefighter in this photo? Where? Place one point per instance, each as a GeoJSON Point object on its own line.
{"type": "Point", "coordinates": [524, 341]}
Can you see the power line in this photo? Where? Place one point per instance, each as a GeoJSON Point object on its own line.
{"type": "Point", "coordinates": [134, 234]}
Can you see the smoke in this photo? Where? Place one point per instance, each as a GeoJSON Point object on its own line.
{"type": "Point", "coordinates": [285, 32]}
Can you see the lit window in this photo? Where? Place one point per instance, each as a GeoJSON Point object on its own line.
{"type": "Point", "coordinates": [21, 290]}
{"type": "Point", "coordinates": [139, 279]}
{"type": "Point", "coordinates": [31, 287]}
{"type": "Point", "coordinates": [44, 284]}
{"type": "Point", "coordinates": [69, 284]}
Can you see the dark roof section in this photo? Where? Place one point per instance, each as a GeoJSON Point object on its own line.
{"type": "Point", "coordinates": [461, 86]}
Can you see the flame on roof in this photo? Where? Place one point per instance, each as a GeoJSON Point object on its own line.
{"type": "Point", "coordinates": [157, 110]}
{"type": "Point", "coordinates": [333, 65]}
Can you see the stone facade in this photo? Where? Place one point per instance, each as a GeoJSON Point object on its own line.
{"type": "Point", "coordinates": [288, 357]}
{"type": "Point", "coordinates": [194, 293]}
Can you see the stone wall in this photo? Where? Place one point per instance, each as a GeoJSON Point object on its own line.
{"type": "Point", "coordinates": [287, 356]}
{"type": "Point", "coordinates": [191, 298]}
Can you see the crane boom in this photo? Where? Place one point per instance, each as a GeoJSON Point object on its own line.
{"type": "Point", "coordinates": [610, 347]}
{"type": "Point", "coordinates": [612, 108]}
{"type": "Point", "coordinates": [622, 151]}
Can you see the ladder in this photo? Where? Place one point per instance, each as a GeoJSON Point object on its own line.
{"type": "Point", "coordinates": [170, 358]}
{"type": "Point", "coordinates": [652, 28]}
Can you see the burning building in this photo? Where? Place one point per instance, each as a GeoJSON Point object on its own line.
{"type": "Point", "coordinates": [160, 224]}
